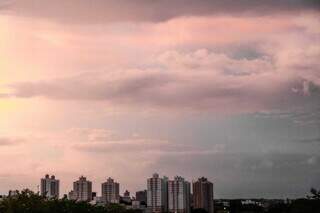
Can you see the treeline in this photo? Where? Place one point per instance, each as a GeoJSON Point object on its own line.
{"type": "Point", "coordinates": [304, 205]}
{"type": "Point", "coordinates": [310, 204]}
{"type": "Point", "coordinates": [27, 201]}
{"type": "Point", "coordinates": [30, 202]}
{"type": "Point", "coordinates": [297, 206]}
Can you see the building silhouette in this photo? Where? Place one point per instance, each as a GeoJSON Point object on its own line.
{"type": "Point", "coordinates": [110, 191]}
{"type": "Point", "coordinates": [141, 196]}
{"type": "Point", "coordinates": [157, 194]}
{"type": "Point", "coordinates": [50, 187]}
{"type": "Point", "coordinates": [82, 190]}
{"type": "Point", "coordinates": [203, 195]}
{"type": "Point", "coordinates": [178, 195]}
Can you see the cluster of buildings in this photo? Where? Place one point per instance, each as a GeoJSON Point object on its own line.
{"type": "Point", "coordinates": [161, 195]}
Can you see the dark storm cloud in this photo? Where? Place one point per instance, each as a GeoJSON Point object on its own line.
{"type": "Point", "coordinates": [310, 140]}
{"type": "Point", "coordinates": [307, 114]}
{"type": "Point", "coordinates": [247, 174]}
{"type": "Point", "coordinates": [83, 11]}
{"type": "Point", "coordinates": [175, 92]}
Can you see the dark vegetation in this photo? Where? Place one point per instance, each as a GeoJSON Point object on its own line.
{"type": "Point", "coordinates": [310, 204]}
{"type": "Point", "coordinates": [30, 202]}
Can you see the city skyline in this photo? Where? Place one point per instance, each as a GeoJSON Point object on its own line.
{"type": "Point", "coordinates": [48, 179]}
{"type": "Point", "coordinates": [125, 88]}
{"type": "Point", "coordinates": [161, 194]}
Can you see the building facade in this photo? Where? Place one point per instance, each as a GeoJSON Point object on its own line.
{"type": "Point", "coordinates": [157, 194]}
{"type": "Point", "coordinates": [142, 196]}
{"type": "Point", "coordinates": [178, 195]}
{"type": "Point", "coordinates": [49, 187]}
{"type": "Point", "coordinates": [82, 190]}
{"type": "Point", "coordinates": [110, 191]}
{"type": "Point", "coordinates": [203, 195]}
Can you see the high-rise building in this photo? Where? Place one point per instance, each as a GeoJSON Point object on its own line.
{"type": "Point", "coordinates": [142, 196]}
{"type": "Point", "coordinates": [110, 191]}
{"type": "Point", "coordinates": [178, 195]}
{"type": "Point", "coordinates": [157, 194]}
{"type": "Point", "coordinates": [50, 187]}
{"type": "Point", "coordinates": [82, 190]}
{"type": "Point", "coordinates": [203, 195]}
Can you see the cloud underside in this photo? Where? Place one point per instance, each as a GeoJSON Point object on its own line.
{"type": "Point", "coordinates": [185, 63]}
{"type": "Point", "coordinates": [99, 11]}
{"type": "Point", "coordinates": [199, 80]}
{"type": "Point", "coordinates": [161, 91]}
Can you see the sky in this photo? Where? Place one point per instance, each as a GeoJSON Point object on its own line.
{"type": "Point", "coordinates": [125, 88]}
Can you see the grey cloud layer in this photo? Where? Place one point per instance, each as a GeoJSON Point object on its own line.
{"type": "Point", "coordinates": [236, 173]}
{"type": "Point", "coordinates": [310, 140]}
{"type": "Point", "coordinates": [243, 174]}
{"type": "Point", "coordinates": [308, 114]}
{"type": "Point", "coordinates": [197, 80]}
{"type": "Point", "coordinates": [164, 91]}
{"type": "Point", "coordinates": [82, 11]}
{"type": "Point", "coordinates": [242, 68]}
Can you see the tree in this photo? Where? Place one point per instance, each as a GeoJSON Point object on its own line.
{"type": "Point", "coordinates": [315, 194]}
{"type": "Point", "coordinates": [199, 210]}
{"type": "Point", "coordinates": [30, 202]}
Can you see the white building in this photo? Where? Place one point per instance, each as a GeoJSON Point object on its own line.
{"type": "Point", "coordinates": [157, 194]}
{"type": "Point", "coordinates": [110, 191]}
{"type": "Point", "coordinates": [178, 195]}
{"type": "Point", "coordinates": [82, 190]}
{"type": "Point", "coordinates": [50, 187]}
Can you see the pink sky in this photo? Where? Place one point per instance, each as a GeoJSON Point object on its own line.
{"type": "Point", "coordinates": [72, 82]}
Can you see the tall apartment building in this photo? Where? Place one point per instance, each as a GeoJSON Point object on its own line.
{"type": "Point", "coordinates": [178, 195]}
{"type": "Point", "coordinates": [110, 191]}
{"type": "Point", "coordinates": [50, 187]}
{"type": "Point", "coordinates": [157, 194]}
{"type": "Point", "coordinates": [203, 195]}
{"type": "Point", "coordinates": [82, 190]}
